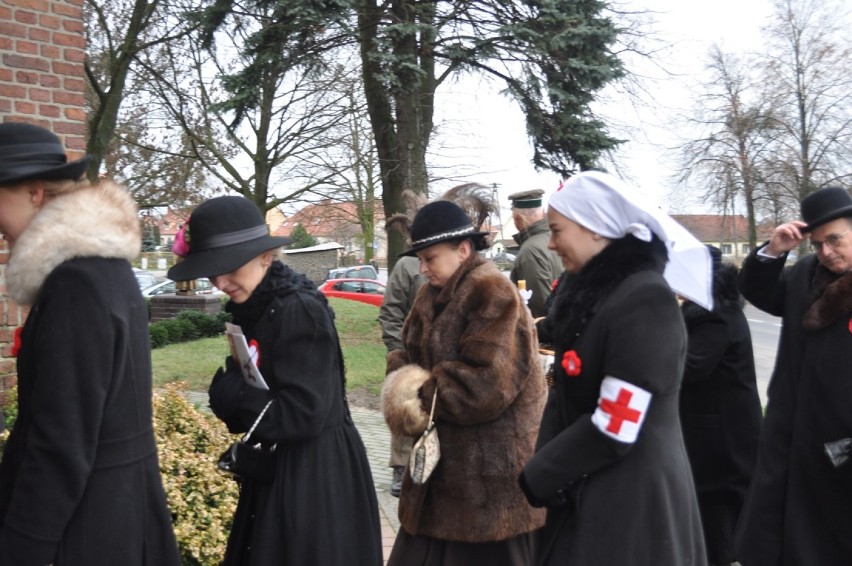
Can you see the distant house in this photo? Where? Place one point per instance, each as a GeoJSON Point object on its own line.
{"type": "Point", "coordinates": [330, 221]}
{"type": "Point", "coordinates": [728, 233]}
{"type": "Point", "coordinates": [169, 224]}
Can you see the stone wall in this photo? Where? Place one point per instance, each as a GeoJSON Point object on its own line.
{"type": "Point", "coordinates": [42, 47]}
{"type": "Point", "coordinates": [314, 264]}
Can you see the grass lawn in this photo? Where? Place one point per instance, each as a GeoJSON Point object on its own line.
{"type": "Point", "coordinates": [194, 363]}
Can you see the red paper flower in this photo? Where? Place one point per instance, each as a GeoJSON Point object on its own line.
{"type": "Point", "coordinates": [571, 363]}
{"type": "Point", "coordinates": [850, 325]}
{"type": "Point", "coordinates": [180, 246]}
{"type": "Point", "coordinates": [16, 341]}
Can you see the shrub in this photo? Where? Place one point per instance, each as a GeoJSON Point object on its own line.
{"type": "Point", "coordinates": [201, 499]}
{"type": "Point", "coordinates": [187, 325]}
{"type": "Point", "coordinates": [159, 335]}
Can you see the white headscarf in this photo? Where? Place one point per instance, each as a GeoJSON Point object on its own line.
{"type": "Point", "coordinates": [603, 204]}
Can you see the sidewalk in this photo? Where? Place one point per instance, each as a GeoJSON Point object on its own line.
{"type": "Point", "coordinates": [376, 438]}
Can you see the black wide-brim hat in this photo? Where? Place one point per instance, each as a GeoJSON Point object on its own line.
{"type": "Point", "coordinates": [825, 205]}
{"type": "Point", "coordinates": [223, 234]}
{"type": "Point", "coordinates": [439, 221]}
{"type": "Point", "coordinates": [31, 152]}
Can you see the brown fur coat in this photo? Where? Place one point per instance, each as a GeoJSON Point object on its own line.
{"type": "Point", "coordinates": [473, 339]}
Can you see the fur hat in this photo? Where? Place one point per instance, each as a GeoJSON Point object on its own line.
{"type": "Point", "coordinates": [32, 152]}
{"type": "Point", "coordinates": [221, 235]}
{"type": "Point", "coordinates": [825, 205]}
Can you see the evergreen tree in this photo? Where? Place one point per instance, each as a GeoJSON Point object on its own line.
{"type": "Point", "coordinates": [301, 238]}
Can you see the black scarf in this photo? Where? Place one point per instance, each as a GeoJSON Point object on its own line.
{"type": "Point", "coordinates": [577, 299]}
{"type": "Point", "coordinates": [279, 281]}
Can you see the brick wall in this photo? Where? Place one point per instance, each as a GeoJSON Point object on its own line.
{"type": "Point", "coordinates": [42, 82]}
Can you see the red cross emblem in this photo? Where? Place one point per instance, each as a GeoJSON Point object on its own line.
{"type": "Point", "coordinates": [620, 411]}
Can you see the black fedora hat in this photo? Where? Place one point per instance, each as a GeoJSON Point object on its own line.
{"type": "Point", "coordinates": [32, 152]}
{"type": "Point", "coordinates": [440, 221]}
{"type": "Point", "coordinates": [221, 235]}
{"type": "Point", "coordinates": [825, 205]}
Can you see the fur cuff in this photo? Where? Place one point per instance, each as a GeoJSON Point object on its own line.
{"type": "Point", "coordinates": [401, 404]}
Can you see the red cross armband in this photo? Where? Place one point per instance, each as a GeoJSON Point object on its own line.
{"type": "Point", "coordinates": [621, 409]}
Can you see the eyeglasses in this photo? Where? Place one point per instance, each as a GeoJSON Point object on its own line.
{"type": "Point", "coordinates": [832, 241]}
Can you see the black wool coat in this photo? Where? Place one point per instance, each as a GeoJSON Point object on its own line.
{"type": "Point", "coordinates": [720, 410]}
{"type": "Point", "coordinates": [611, 501]}
{"type": "Point", "coordinates": [799, 507]}
{"type": "Point", "coordinates": [321, 507]}
{"type": "Point", "coordinates": [79, 480]}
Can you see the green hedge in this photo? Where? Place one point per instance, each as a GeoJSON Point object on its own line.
{"type": "Point", "coordinates": [187, 325]}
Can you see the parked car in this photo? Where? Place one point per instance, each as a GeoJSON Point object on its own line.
{"type": "Point", "coordinates": [353, 272]}
{"type": "Point", "coordinates": [144, 278]}
{"type": "Point", "coordinates": [203, 286]}
{"type": "Point", "coordinates": [367, 291]}
{"type": "Point", "coordinates": [503, 257]}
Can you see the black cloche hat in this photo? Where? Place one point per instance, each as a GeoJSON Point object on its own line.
{"type": "Point", "coordinates": [440, 221]}
{"type": "Point", "coordinates": [223, 234]}
{"type": "Point", "coordinates": [32, 152]}
{"type": "Point", "coordinates": [825, 205]}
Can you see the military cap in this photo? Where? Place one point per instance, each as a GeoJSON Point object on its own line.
{"type": "Point", "coordinates": [526, 199]}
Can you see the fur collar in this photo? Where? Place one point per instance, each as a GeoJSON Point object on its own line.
{"type": "Point", "coordinates": [726, 294]}
{"type": "Point", "coordinates": [577, 300]}
{"type": "Point", "coordinates": [94, 221]}
{"type": "Point", "coordinates": [833, 298]}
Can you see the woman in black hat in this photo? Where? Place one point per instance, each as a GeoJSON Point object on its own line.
{"type": "Point", "coordinates": [319, 504]}
{"type": "Point", "coordinates": [468, 337]}
{"type": "Point", "coordinates": [79, 480]}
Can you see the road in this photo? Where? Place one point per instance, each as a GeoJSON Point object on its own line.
{"type": "Point", "coordinates": [764, 339]}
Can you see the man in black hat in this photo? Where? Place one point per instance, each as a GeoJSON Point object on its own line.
{"type": "Point", "coordinates": [799, 509]}
{"type": "Point", "coordinates": [535, 264]}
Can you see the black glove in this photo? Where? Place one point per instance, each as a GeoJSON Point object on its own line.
{"type": "Point", "coordinates": [557, 501]}
{"type": "Point", "coordinates": [225, 392]}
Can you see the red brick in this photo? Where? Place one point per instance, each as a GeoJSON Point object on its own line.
{"type": "Point", "coordinates": [68, 98]}
{"type": "Point", "coordinates": [34, 5]}
{"type": "Point", "coordinates": [26, 47]}
{"type": "Point", "coordinates": [22, 62]}
{"type": "Point", "coordinates": [5, 13]}
{"type": "Point", "coordinates": [27, 77]}
{"type": "Point", "coordinates": [12, 91]}
{"type": "Point", "coordinates": [61, 68]}
{"type": "Point", "coordinates": [25, 107]}
{"type": "Point", "coordinates": [69, 40]}
{"type": "Point", "coordinates": [67, 9]}
{"type": "Point", "coordinates": [5, 43]}
{"type": "Point", "coordinates": [6, 74]}
{"type": "Point", "coordinates": [5, 106]}
{"type": "Point", "coordinates": [49, 111]}
{"type": "Point", "coordinates": [76, 114]}
{"type": "Point", "coordinates": [49, 51]}
{"type": "Point", "coordinates": [50, 81]}
{"type": "Point", "coordinates": [28, 18]}
{"type": "Point", "coordinates": [39, 34]}
{"type": "Point", "coordinates": [76, 147]}
{"type": "Point", "coordinates": [39, 95]}
{"type": "Point", "coordinates": [49, 22]}
{"type": "Point", "coordinates": [73, 26]}
{"type": "Point", "coordinates": [70, 128]}
{"type": "Point", "coordinates": [74, 85]}
{"type": "Point", "coordinates": [8, 28]}
{"type": "Point", "coordinates": [75, 55]}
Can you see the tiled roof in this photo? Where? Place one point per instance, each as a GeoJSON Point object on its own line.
{"type": "Point", "coordinates": [720, 228]}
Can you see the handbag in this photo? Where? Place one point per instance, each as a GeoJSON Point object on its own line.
{"type": "Point", "coordinates": [426, 452]}
{"type": "Point", "coordinates": [252, 462]}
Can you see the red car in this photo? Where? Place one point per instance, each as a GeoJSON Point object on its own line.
{"type": "Point", "coordinates": [367, 291]}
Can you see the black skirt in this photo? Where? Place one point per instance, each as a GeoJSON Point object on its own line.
{"type": "Point", "coordinates": [413, 550]}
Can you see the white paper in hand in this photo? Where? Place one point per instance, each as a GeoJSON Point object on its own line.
{"type": "Point", "coordinates": [245, 355]}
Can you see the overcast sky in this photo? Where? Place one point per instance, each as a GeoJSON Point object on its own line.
{"type": "Point", "coordinates": [485, 131]}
